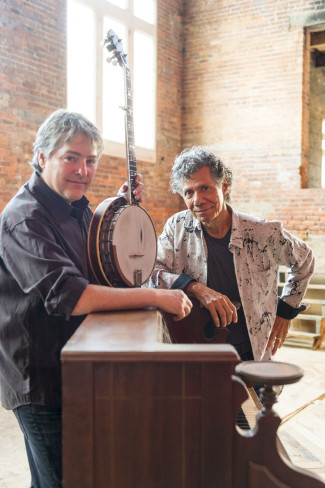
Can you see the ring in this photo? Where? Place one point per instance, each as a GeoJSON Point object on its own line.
{"type": "Point", "coordinates": [277, 339]}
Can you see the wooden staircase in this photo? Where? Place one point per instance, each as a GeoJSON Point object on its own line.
{"type": "Point", "coordinates": [308, 328]}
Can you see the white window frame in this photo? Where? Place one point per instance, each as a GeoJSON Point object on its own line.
{"type": "Point", "coordinates": [101, 9]}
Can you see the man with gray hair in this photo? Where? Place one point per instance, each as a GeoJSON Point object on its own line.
{"type": "Point", "coordinates": [46, 288]}
{"type": "Point", "coordinates": [220, 256]}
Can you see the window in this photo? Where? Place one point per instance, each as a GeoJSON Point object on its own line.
{"type": "Point", "coordinates": [95, 87]}
{"type": "Point", "coordinates": [316, 145]}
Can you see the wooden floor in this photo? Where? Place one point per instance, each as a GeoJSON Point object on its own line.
{"type": "Point", "coordinates": [302, 430]}
{"type": "Point", "coordinates": [302, 409]}
{"type": "Point", "coordinates": [303, 435]}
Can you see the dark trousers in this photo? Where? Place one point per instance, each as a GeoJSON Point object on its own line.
{"type": "Point", "coordinates": [245, 351]}
{"type": "Point", "coordinates": [246, 354]}
{"type": "Point", "coordinates": [42, 431]}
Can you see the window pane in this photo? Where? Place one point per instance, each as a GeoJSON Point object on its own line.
{"type": "Point", "coordinates": [119, 3]}
{"type": "Point", "coordinates": [144, 90]}
{"type": "Point", "coordinates": [113, 88]}
{"type": "Point", "coordinates": [145, 10]}
{"type": "Point", "coordinates": [81, 47]}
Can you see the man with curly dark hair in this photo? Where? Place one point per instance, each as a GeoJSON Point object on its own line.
{"type": "Point", "coordinates": [221, 256]}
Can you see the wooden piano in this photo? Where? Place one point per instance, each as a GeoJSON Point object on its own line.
{"type": "Point", "coordinates": [140, 413]}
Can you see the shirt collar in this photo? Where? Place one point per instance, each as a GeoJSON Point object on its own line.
{"type": "Point", "coordinates": [197, 224]}
{"type": "Point", "coordinates": [236, 238]}
{"type": "Point", "coordinates": [53, 202]}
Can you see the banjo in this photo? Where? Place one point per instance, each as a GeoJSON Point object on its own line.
{"type": "Point", "coordinates": [122, 242]}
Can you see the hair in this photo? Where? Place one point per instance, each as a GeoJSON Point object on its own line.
{"type": "Point", "coordinates": [191, 160]}
{"type": "Point", "coordinates": [61, 127]}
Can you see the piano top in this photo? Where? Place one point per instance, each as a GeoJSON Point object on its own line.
{"type": "Point", "coordinates": [136, 335]}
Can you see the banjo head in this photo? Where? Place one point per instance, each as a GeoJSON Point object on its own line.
{"type": "Point", "coordinates": [122, 244]}
{"type": "Point", "coordinates": [134, 244]}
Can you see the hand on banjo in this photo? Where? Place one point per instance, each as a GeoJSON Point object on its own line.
{"type": "Point", "coordinates": [174, 302]}
{"type": "Point", "coordinates": [138, 191]}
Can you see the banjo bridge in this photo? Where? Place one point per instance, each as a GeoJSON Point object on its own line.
{"type": "Point", "coordinates": [138, 277]}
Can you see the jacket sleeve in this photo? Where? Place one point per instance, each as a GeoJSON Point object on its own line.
{"type": "Point", "coordinates": [38, 263]}
{"type": "Point", "coordinates": [298, 257]}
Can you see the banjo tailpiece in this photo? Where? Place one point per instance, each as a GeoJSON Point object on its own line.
{"type": "Point", "coordinates": [122, 242]}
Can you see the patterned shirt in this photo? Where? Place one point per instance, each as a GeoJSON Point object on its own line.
{"type": "Point", "coordinates": [43, 272]}
{"type": "Point", "coordinates": [259, 247]}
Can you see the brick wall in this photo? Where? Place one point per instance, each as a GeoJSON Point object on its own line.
{"type": "Point", "coordinates": [32, 81]}
{"type": "Point", "coordinates": [245, 94]}
{"type": "Point", "coordinates": [33, 84]}
{"type": "Point", "coordinates": [231, 75]}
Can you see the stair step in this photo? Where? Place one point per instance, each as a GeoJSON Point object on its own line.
{"type": "Point", "coordinates": [301, 342]}
{"type": "Point", "coordinates": [303, 339]}
{"type": "Point", "coordinates": [302, 333]}
{"type": "Point", "coordinates": [318, 301]}
{"type": "Point", "coordinates": [318, 322]}
{"type": "Point", "coordinates": [306, 316]}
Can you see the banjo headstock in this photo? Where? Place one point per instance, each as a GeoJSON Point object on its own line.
{"type": "Point", "coordinates": [114, 46]}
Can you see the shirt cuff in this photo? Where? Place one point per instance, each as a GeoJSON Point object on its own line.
{"type": "Point", "coordinates": [181, 282]}
{"type": "Point", "coordinates": [285, 310]}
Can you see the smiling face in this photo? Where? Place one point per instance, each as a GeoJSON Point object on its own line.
{"type": "Point", "coordinates": [70, 170]}
{"type": "Point", "coordinates": [204, 197]}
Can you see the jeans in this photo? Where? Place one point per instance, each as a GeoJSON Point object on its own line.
{"type": "Point", "coordinates": [42, 431]}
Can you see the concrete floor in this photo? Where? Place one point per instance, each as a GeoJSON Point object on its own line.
{"type": "Point", "coordinates": [14, 472]}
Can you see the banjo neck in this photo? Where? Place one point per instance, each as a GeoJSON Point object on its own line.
{"type": "Point", "coordinates": [129, 135]}
{"type": "Point", "coordinates": [116, 55]}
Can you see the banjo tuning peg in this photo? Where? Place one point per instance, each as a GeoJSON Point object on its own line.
{"type": "Point", "coordinates": [110, 47]}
